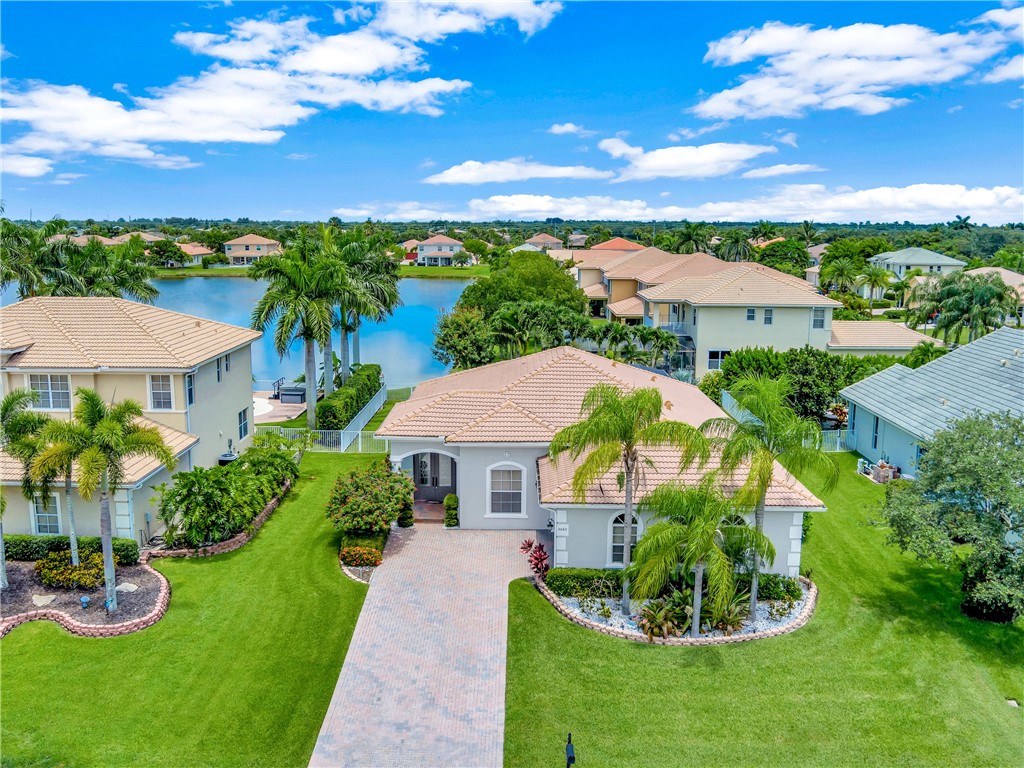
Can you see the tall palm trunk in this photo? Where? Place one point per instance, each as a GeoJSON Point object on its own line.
{"type": "Point", "coordinates": [759, 525]}
{"type": "Point", "coordinates": [3, 559]}
{"type": "Point", "coordinates": [310, 351]}
{"type": "Point", "coordinates": [343, 347]}
{"type": "Point", "coordinates": [107, 543]}
{"type": "Point", "coordinates": [328, 354]}
{"type": "Point", "coordinates": [698, 586]}
{"type": "Point", "coordinates": [627, 534]}
{"type": "Point", "coordinates": [69, 505]}
{"type": "Point", "coordinates": [355, 343]}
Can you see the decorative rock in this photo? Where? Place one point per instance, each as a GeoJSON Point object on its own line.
{"type": "Point", "coordinates": [126, 586]}
{"type": "Point", "coordinates": [42, 600]}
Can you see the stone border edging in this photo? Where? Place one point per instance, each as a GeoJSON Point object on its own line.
{"type": "Point", "coordinates": [801, 618]}
{"type": "Point", "coordinates": [352, 574]}
{"type": "Point", "coordinates": [163, 599]}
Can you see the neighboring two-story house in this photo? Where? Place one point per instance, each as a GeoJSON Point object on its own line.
{"type": "Point", "coordinates": [545, 242]}
{"type": "Point", "coordinates": [437, 251]}
{"type": "Point", "coordinates": [903, 261]}
{"type": "Point", "coordinates": [192, 377]}
{"type": "Point", "coordinates": [246, 249]}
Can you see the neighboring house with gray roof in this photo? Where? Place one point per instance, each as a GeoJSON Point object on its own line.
{"type": "Point", "coordinates": [903, 261]}
{"type": "Point", "coordinates": [896, 409]}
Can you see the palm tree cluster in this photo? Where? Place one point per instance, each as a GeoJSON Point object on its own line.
{"type": "Point", "coordinates": [978, 302]}
{"type": "Point", "coordinates": [43, 261]}
{"type": "Point", "coordinates": [699, 527]}
{"type": "Point", "coordinates": [325, 280]}
{"type": "Point", "coordinates": [633, 343]}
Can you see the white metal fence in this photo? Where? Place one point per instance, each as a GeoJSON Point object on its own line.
{"type": "Point", "coordinates": [351, 439]}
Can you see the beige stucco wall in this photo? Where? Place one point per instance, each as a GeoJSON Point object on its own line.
{"type": "Point", "coordinates": [214, 415]}
{"type": "Point", "coordinates": [621, 289]}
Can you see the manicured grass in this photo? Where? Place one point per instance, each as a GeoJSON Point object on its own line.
{"type": "Point", "coordinates": [888, 672]}
{"type": "Point", "coordinates": [200, 272]}
{"type": "Point", "coordinates": [239, 672]}
{"type": "Point", "coordinates": [447, 273]}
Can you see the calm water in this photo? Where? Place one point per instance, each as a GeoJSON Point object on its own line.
{"type": "Point", "coordinates": [401, 344]}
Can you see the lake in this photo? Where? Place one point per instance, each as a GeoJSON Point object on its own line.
{"type": "Point", "coordinates": [400, 344]}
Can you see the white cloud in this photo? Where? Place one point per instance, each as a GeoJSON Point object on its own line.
{"type": "Point", "coordinates": [298, 156]}
{"type": "Point", "coordinates": [270, 74]}
{"type": "Point", "coordinates": [692, 133]}
{"type": "Point", "coordinates": [570, 129]}
{"type": "Point", "coordinates": [1011, 70]}
{"type": "Point", "coordinates": [690, 162]}
{"type": "Point", "coordinates": [22, 165]}
{"type": "Point", "coordinates": [63, 179]}
{"type": "Point", "coordinates": [780, 170]}
{"type": "Point", "coordinates": [919, 203]}
{"type": "Point", "coordinates": [513, 169]}
{"type": "Point", "coordinates": [4, 53]}
{"type": "Point", "coordinates": [857, 67]}
{"type": "Point", "coordinates": [353, 213]}
{"type": "Point", "coordinates": [786, 137]}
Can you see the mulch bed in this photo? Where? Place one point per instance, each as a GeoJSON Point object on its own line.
{"type": "Point", "coordinates": [130, 605]}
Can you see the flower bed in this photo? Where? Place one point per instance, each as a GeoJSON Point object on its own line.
{"type": "Point", "coordinates": [618, 625]}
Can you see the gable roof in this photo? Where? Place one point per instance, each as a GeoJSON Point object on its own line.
{"type": "Point", "coordinates": [543, 238]}
{"type": "Point", "coordinates": [684, 265]}
{"type": "Point", "coordinates": [817, 251]}
{"type": "Point", "coordinates": [440, 240]}
{"type": "Point", "coordinates": [631, 307]}
{"type": "Point", "coordinates": [527, 246]}
{"type": "Point", "coordinates": [95, 332]}
{"type": "Point", "coordinates": [252, 239]}
{"type": "Point", "coordinates": [577, 239]}
{"type": "Point", "coordinates": [859, 334]}
{"type": "Point", "coordinates": [913, 256]}
{"type": "Point", "coordinates": [742, 285]}
{"type": "Point", "coordinates": [618, 244]}
{"type": "Point", "coordinates": [1013, 279]}
{"type": "Point", "coordinates": [195, 249]}
{"type": "Point", "coordinates": [82, 240]}
{"type": "Point", "coordinates": [986, 375]}
{"type": "Point", "coordinates": [147, 237]}
{"type": "Point", "coordinates": [410, 244]}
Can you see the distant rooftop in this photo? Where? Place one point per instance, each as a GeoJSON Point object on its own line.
{"type": "Point", "coordinates": [915, 257]}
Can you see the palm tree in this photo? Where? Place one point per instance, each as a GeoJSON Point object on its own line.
{"type": "Point", "coordinates": [37, 259]}
{"type": "Point", "coordinates": [808, 233]}
{"type": "Point", "coordinates": [923, 354]}
{"type": "Point", "coordinates": [18, 425]}
{"type": "Point", "coordinates": [773, 433]}
{"type": "Point", "coordinates": [764, 230]}
{"type": "Point", "coordinates": [696, 527]}
{"type": "Point", "coordinates": [665, 343]}
{"type": "Point", "coordinates": [735, 245]}
{"type": "Point", "coordinates": [75, 436]}
{"type": "Point", "coordinates": [905, 284]}
{"type": "Point", "coordinates": [840, 274]}
{"type": "Point", "coordinates": [299, 301]}
{"type": "Point", "coordinates": [509, 330]}
{"type": "Point", "coordinates": [122, 271]}
{"type": "Point", "coordinates": [618, 335]}
{"type": "Point", "coordinates": [114, 435]}
{"type": "Point", "coordinates": [961, 224]}
{"type": "Point", "coordinates": [614, 430]}
{"type": "Point", "coordinates": [874, 278]}
{"type": "Point", "coordinates": [691, 237]}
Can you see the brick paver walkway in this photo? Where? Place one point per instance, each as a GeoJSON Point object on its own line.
{"type": "Point", "coordinates": [423, 683]}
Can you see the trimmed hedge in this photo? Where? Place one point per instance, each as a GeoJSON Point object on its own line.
{"type": "Point", "coordinates": [24, 547]}
{"type": "Point", "coordinates": [567, 582]}
{"type": "Point", "coordinates": [451, 510]}
{"type": "Point", "coordinates": [336, 411]}
{"type": "Point", "coordinates": [895, 314]}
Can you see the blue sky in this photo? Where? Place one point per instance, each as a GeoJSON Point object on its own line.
{"type": "Point", "coordinates": [482, 110]}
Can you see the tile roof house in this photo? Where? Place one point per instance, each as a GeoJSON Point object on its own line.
{"type": "Point", "coordinates": [193, 254]}
{"type": "Point", "coordinates": [618, 244]}
{"type": "Point", "coordinates": [545, 241]}
{"type": "Point", "coordinates": [484, 433]}
{"type": "Point", "coordinates": [856, 337]}
{"type": "Point", "coordinates": [246, 249]}
{"type": "Point", "coordinates": [903, 261]}
{"type": "Point", "coordinates": [817, 252]}
{"type": "Point", "coordinates": [530, 247]}
{"type": "Point", "coordinates": [193, 378]}
{"type": "Point", "coordinates": [894, 410]}
{"type": "Point", "coordinates": [83, 240]}
{"type": "Point", "coordinates": [577, 241]}
{"type": "Point", "coordinates": [438, 251]}
{"type": "Point", "coordinates": [146, 237]}
{"type": "Point", "coordinates": [1013, 279]}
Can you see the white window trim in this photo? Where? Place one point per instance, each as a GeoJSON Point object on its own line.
{"type": "Point", "coordinates": [751, 314]}
{"type": "Point", "coordinates": [219, 370]}
{"type": "Point", "coordinates": [71, 392]}
{"type": "Point", "coordinates": [824, 317]}
{"type": "Point", "coordinates": [768, 313]}
{"type": "Point", "coordinates": [248, 425]}
{"type": "Point", "coordinates": [149, 381]}
{"type": "Point", "coordinates": [35, 523]}
{"type": "Point", "coordinates": [189, 377]}
{"type": "Point", "coordinates": [500, 515]}
{"type": "Point", "coordinates": [611, 525]}
{"type": "Point", "coordinates": [227, 362]}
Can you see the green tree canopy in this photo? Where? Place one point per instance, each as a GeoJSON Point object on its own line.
{"type": "Point", "coordinates": [463, 338]}
{"type": "Point", "coordinates": [524, 277]}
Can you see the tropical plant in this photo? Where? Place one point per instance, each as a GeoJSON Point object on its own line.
{"type": "Point", "coordinates": [57, 570]}
{"type": "Point", "coordinates": [695, 527]}
{"type": "Point", "coordinates": [613, 434]}
{"type": "Point", "coordinates": [361, 557]}
{"type": "Point", "coordinates": [751, 448]}
{"type": "Point", "coordinates": [537, 557]}
{"type": "Point", "coordinates": [36, 258]}
{"type": "Point", "coordinates": [961, 224]}
{"type": "Point", "coordinates": [659, 618]}
{"type": "Point", "coordinates": [691, 237]}
{"type": "Point", "coordinates": [764, 230]}
{"type": "Point", "coordinates": [367, 501]}
{"type": "Point", "coordinates": [114, 437]}
{"type": "Point", "coordinates": [978, 302]}
{"type": "Point", "coordinates": [808, 233]}
{"type": "Point", "coordinates": [76, 436]}
{"type": "Point", "coordinates": [463, 339]}
{"type": "Point", "coordinates": [923, 353]}
{"type": "Point", "coordinates": [875, 279]}
{"type": "Point", "coordinates": [734, 246]}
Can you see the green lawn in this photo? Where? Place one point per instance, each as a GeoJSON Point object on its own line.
{"type": "Point", "coordinates": [239, 672]}
{"type": "Point", "coordinates": [200, 272]}
{"type": "Point", "coordinates": [394, 396]}
{"type": "Point", "coordinates": [448, 273]}
{"type": "Point", "coordinates": [888, 672]}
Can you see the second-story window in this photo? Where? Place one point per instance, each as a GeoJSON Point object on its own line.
{"type": "Point", "coordinates": [818, 318]}
{"type": "Point", "coordinates": [751, 314]}
{"type": "Point", "coordinates": [227, 362]}
{"type": "Point", "coordinates": [52, 391]}
{"type": "Point", "coordinates": [160, 393]}
{"type": "Point", "coordinates": [218, 370]}
{"type": "Point", "coordinates": [190, 388]}
{"type": "Point", "coordinates": [769, 316]}
{"type": "Point", "coordinates": [715, 358]}
{"type": "Point", "coordinates": [243, 424]}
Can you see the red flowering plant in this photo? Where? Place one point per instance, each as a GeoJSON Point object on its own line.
{"type": "Point", "coordinates": [537, 557]}
{"type": "Point", "coordinates": [361, 557]}
{"type": "Point", "coordinates": [369, 500]}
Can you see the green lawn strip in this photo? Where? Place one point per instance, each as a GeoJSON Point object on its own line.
{"type": "Point", "coordinates": [200, 272]}
{"type": "Point", "coordinates": [888, 672]}
{"type": "Point", "coordinates": [239, 672]}
{"type": "Point", "coordinates": [447, 273]}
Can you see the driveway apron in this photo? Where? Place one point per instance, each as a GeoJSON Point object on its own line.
{"type": "Point", "coordinates": [423, 683]}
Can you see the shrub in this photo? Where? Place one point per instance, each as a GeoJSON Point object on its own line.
{"type": "Point", "coordinates": [451, 510]}
{"type": "Point", "coordinates": [805, 529]}
{"type": "Point", "coordinates": [569, 582]}
{"type": "Point", "coordinates": [24, 547]}
{"type": "Point", "coordinates": [882, 303]}
{"type": "Point", "coordinates": [771, 586]}
{"type": "Point", "coordinates": [536, 555]}
{"type": "Point", "coordinates": [662, 618]}
{"type": "Point", "coordinates": [369, 500]}
{"type": "Point", "coordinates": [56, 570]}
{"type": "Point", "coordinates": [336, 411]}
{"type": "Point", "coordinates": [711, 385]}
{"type": "Point", "coordinates": [405, 518]}
{"type": "Point", "coordinates": [895, 314]}
{"type": "Point", "coordinates": [361, 557]}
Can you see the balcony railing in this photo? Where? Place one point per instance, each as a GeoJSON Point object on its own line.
{"type": "Point", "coordinates": [681, 329]}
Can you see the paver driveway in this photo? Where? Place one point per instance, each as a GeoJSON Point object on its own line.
{"type": "Point", "coordinates": [423, 683]}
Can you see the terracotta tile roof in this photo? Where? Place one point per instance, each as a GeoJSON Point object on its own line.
{"type": "Point", "coordinates": [147, 237]}
{"type": "Point", "coordinates": [631, 307]}
{"type": "Point", "coordinates": [742, 285]}
{"type": "Point", "coordinates": [684, 265]}
{"type": "Point", "coordinates": [817, 251]}
{"type": "Point", "coordinates": [1013, 279]}
{"type": "Point", "coordinates": [92, 332]}
{"type": "Point", "coordinates": [543, 238]}
{"type": "Point", "coordinates": [252, 239]}
{"type": "Point", "coordinates": [556, 481]}
{"type": "Point", "coordinates": [592, 259]}
{"type": "Point", "coordinates": [136, 468]}
{"type": "Point", "coordinates": [861, 334]}
{"type": "Point", "coordinates": [83, 239]}
{"type": "Point", "coordinates": [596, 291]}
{"type": "Point", "coordinates": [410, 244]}
{"type": "Point", "coordinates": [440, 240]}
{"type": "Point", "coordinates": [618, 244]}
{"type": "Point", "coordinates": [195, 249]}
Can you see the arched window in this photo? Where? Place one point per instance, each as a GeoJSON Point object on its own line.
{"type": "Point", "coordinates": [505, 489]}
{"type": "Point", "coordinates": [618, 531]}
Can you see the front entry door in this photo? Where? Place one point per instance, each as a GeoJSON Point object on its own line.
{"type": "Point", "coordinates": [434, 476]}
